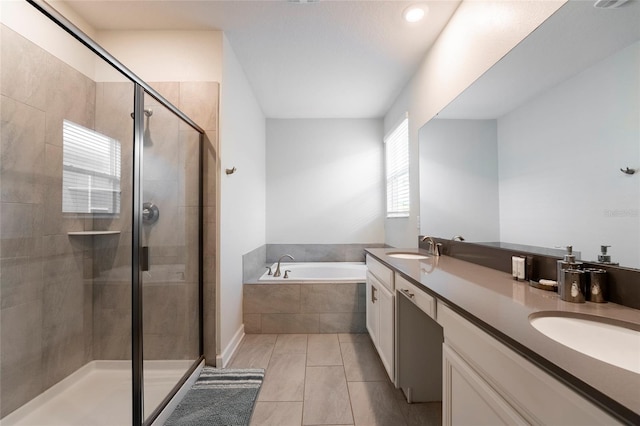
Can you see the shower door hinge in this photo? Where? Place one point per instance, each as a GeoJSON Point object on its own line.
{"type": "Point", "coordinates": [144, 261]}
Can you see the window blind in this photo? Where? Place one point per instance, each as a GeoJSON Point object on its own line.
{"type": "Point", "coordinates": [397, 169]}
{"type": "Point", "coordinates": [90, 171]}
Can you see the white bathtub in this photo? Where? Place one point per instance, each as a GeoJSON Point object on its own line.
{"type": "Point", "coordinates": [351, 272]}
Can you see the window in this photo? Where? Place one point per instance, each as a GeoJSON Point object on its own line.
{"type": "Point", "coordinates": [397, 167]}
{"type": "Point", "coordinates": [90, 171]}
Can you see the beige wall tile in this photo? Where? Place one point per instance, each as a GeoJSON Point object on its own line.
{"type": "Point", "coordinates": [252, 323]}
{"type": "Point", "coordinates": [290, 323]}
{"type": "Point", "coordinates": [199, 101]}
{"type": "Point", "coordinates": [22, 130]}
{"type": "Point", "coordinates": [23, 72]}
{"type": "Point", "coordinates": [351, 322]}
{"type": "Point", "coordinates": [329, 297]}
{"type": "Point", "coordinates": [271, 298]}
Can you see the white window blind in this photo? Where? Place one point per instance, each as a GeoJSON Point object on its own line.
{"type": "Point", "coordinates": [90, 171]}
{"type": "Point", "coordinates": [397, 168]}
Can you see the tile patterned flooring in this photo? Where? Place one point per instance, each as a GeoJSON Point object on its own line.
{"type": "Point", "coordinates": [326, 379]}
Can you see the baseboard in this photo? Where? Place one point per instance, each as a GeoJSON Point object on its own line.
{"type": "Point", "coordinates": [223, 359]}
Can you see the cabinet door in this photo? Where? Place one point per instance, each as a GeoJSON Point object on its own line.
{"type": "Point", "coordinates": [373, 310]}
{"type": "Point", "coordinates": [386, 342]}
{"type": "Point", "coordinates": [468, 400]}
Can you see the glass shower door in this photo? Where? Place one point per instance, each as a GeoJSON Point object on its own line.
{"type": "Point", "coordinates": [170, 182]}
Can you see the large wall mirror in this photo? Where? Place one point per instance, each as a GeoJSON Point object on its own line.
{"type": "Point", "coordinates": [541, 149]}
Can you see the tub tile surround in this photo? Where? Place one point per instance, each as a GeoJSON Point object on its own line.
{"type": "Point", "coordinates": [303, 308]}
{"type": "Point", "coordinates": [315, 379]}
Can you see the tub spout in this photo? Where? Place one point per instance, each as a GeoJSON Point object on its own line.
{"type": "Point", "coordinates": [277, 272]}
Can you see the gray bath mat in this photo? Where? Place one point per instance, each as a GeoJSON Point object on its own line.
{"type": "Point", "coordinates": [223, 396]}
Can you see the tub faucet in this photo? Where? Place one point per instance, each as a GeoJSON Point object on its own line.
{"type": "Point", "coordinates": [277, 272]}
{"type": "Point", "coordinates": [435, 248]}
{"type": "Point", "coordinates": [458, 238]}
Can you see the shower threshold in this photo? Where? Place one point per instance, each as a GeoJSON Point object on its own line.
{"type": "Point", "coordinates": [99, 393]}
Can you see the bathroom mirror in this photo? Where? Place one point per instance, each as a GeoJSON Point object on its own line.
{"type": "Point", "coordinates": [540, 149]}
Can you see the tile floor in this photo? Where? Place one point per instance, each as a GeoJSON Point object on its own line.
{"type": "Point", "coordinates": [326, 379]}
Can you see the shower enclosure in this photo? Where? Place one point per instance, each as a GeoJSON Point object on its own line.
{"type": "Point", "coordinates": [101, 250]}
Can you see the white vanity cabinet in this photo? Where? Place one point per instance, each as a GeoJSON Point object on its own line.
{"type": "Point", "coordinates": [486, 383]}
{"type": "Point", "coordinates": [381, 312]}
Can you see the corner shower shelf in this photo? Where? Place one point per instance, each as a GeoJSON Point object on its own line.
{"type": "Point", "coordinates": [79, 233]}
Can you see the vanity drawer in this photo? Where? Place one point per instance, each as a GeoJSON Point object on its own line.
{"type": "Point", "coordinates": [421, 299]}
{"type": "Point", "coordinates": [381, 272]}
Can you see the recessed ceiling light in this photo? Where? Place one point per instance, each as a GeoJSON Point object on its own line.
{"type": "Point", "coordinates": [415, 12]}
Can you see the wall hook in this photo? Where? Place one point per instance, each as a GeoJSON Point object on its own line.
{"type": "Point", "coordinates": [230, 171]}
{"type": "Point", "coordinates": [628, 171]}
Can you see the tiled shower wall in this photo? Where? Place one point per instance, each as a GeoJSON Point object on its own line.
{"type": "Point", "coordinates": [46, 275]}
{"type": "Point", "coordinates": [66, 300]}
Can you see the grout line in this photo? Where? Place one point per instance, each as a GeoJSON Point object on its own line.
{"type": "Point", "coordinates": [344, 371]}
{"type": "Point", "coordinates": [304, 385]}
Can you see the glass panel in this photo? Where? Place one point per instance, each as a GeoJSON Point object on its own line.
{"type": "Point", "coordinates": [170, 291]}
{"type": "Point", "coordinates": [65, 292]}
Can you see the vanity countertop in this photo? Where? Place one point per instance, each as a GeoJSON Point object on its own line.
{"type": "Point", "coordinates": [495, 302]}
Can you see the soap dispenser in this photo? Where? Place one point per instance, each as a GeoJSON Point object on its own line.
{"type": "Point", "coordinates": [569, 262]}
{"type": "Point", "coordinates": [603, 257]}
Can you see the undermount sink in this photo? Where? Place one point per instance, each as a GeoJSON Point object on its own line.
{"type": "Point", "coordinates": [413, 256]}
{"type": "Point", "coordinates": [611, 341]}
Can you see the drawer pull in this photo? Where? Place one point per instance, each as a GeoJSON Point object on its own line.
{"type": "Point", "coordinates": [373, 294]}
{"type": "Point", "coordinates": [408, 293]}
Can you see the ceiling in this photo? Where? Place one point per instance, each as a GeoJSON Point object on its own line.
{"type": "Point", "coordinates": [326, 59]}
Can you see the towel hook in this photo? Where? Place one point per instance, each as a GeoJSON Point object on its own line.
{"type": "Point", "coordinates": [628, 171]}
{"type": "Point", "coordinates": [230, 171]}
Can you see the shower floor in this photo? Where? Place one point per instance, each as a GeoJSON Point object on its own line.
{"type": "Point", "coordinates": [98, 394]}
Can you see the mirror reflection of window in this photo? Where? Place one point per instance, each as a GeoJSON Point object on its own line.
{"type": "Point", "coordinates": [91, 171]}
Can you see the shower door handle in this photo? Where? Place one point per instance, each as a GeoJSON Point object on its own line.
{"type": "Point", "coordinates": [144, 261]}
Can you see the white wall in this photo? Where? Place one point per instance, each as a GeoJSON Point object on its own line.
{"type": "Point", "coordinates": [165, 55]}
{"type": "Point", "coordinates": [459, 179]}
{"type": "Point", "coordinates": [242, 198]}
{"type": "Point", "coordinates": [478, 35]}
{"type": "Point", "coordinates": [560, 156]}
{"type": "Point", "coordinates": [325, 181]}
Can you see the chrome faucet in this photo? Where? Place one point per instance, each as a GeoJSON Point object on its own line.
{"type": "Point", "coordinates": [435, 248]}
{"type": "Point", "coordinates": [277, 272]}
{"type": "Point", "coordinates": [458, 238]}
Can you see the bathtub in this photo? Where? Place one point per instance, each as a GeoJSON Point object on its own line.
{"type": "Point", "coordinates": [318, 297]}
{"type": "Point", "coordinates": [318, 272]}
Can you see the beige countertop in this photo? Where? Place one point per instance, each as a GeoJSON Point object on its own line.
{"type": "Point", "coordinates": [501, 306]}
